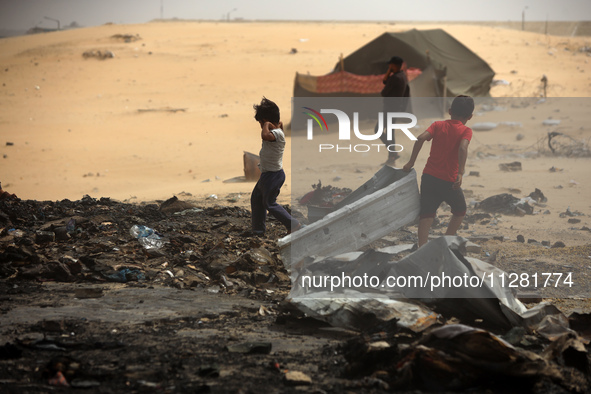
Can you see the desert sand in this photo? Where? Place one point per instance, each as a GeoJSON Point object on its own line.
{"type": "Point", "coordinates": [171, 113]}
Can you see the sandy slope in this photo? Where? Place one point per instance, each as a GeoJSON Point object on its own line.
{"type": "Point", "coordinates": [76, 129]}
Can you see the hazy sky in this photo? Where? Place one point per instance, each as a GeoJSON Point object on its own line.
{"type": "Point", "coordinates": [23, 14]}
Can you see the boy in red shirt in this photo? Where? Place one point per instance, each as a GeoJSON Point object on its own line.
{"type": "Point", "coordinates": [442, 176]}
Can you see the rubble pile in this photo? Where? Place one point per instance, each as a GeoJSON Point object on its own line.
{"type": "Point", "coordinates": [324, 196]}
{"type": "Point", "coordinates": [456, 357]}
{"type": "Point", "coordinates": [90, 240]}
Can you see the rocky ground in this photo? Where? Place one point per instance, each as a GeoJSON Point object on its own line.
{"type": "Point", "coordinates": [86, 305]}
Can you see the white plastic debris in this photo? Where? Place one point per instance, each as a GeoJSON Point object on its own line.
{"type": "Point", "coordinates": [484, 126]}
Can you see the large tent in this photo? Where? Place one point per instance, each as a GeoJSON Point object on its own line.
{"type": "Point", "coordinates": [446, 68]}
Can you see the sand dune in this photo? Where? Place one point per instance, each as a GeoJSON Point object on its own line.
{"type": "Point", "coordinates": [171, 112]}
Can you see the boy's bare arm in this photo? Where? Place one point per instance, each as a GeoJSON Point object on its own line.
{"type": "Point", "coordinates": [462, 156]}
{"type": "Point", "coordinates": [425, 136]}
{"type": "Point", "coordinates": [266, 133]}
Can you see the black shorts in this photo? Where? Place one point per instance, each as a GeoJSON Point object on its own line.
{"type": "Point", "coordinates": [434, 191]}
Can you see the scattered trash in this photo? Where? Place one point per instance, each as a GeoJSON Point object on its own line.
{"type": "Point", "coordinates": [511, 124]}
{"type": "Point", "coordinates": [16, 232]}
{"type": "Point", "coordinates": [147, 237]}
{"type": "Point", "coordinates": [570, 213]}
{"type": "Point", "coordinates": [174, 205]}
{"type": "Point", "coordinates": [551, 122]}
{"type": "Point", "coordinates": [101, 55]}
{"type": "Point", "coordinates": [538, 196]}
{"type": "Point", "coordinates": [483, 126]}
{"type": "Point", "coordinates": [514, 166]}
{"type": "Point", "coordinates": [506, 204]}
{"type": "Point", "coordinates": [71, 226]}
{"type": "Point", "coordinates": [125, 275]}
{"type": "Point", "coordinates": [297, 378]}
{"type": "Point", "coordinates": [324, 196]}
{"type": "Point", "coordinates": [497, 82]}
{"type": "Point", "coordinates": [163, 109]}
{"type": "Point", "coordinates": [563, 145]}
{"type": "Point", "coordinates": [234, 198]}
{"type": "Point", "coordinates": [354, 310]}
{"type": "Point", "coordinates": [322, 200]}
{"type": "Point", "coordinates": [214, 289]}
{"type": "Point", "coordinates": [59, 380]}
{"type": "Point", "coordinates": [252, 172]}
{"type": "Point", "coordinates": [126, 37]}
{"type": "Point", "coordinates": [188, 211]}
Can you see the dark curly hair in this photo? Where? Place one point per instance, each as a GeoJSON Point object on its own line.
{"type": "Point", "coordinates": [462, 106]}
{"type": "Point", "coordinates": [266, 110]}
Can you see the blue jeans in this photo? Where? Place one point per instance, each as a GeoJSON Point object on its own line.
{"type": "Point", "coordinates": [264, 198]}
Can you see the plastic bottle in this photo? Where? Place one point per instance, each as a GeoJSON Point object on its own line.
{"type": "Point", "coordinates": [151, 242]}
{"type": "Point", "coordinates": [137, 231]}
{"type": "Point", "coordinates": [146, 237]}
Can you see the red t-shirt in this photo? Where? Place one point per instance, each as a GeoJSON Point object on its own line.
{"type": "Point", "coordinates": [445, 143]}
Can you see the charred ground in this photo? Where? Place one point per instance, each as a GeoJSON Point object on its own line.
{"type": "Point", "coordinates": [85, 305]}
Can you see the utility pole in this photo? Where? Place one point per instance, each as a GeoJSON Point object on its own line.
{"type": "Point", "coordinates": [229, 12]}
{"type": "Point", "coordinates": [55, 20]}
{"type": "Point", "coordinates": [161, 9]}
{"type": "Point", "coordinates": [523, 18]}
{"type": "Point", "coordinates": [546, 28]}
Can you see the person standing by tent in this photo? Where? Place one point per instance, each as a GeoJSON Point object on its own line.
{"type": "Point", "coordinates": [396, 85]}
{"type": "Point", "coordinates": [442, 176]}
{"type": "Point", "coordinates": [265, 192]}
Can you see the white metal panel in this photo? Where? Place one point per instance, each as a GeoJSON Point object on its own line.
{"type": "Point", "coordinates": [355, 225]}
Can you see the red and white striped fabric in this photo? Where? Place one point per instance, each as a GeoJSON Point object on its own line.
{"type": "Point", "coordinates": [342, 81]}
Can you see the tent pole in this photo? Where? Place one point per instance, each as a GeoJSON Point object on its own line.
{"type": "Point", "coordinates": [342, 61]}
{"type": "Point", "coordinates": [444, 95]}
